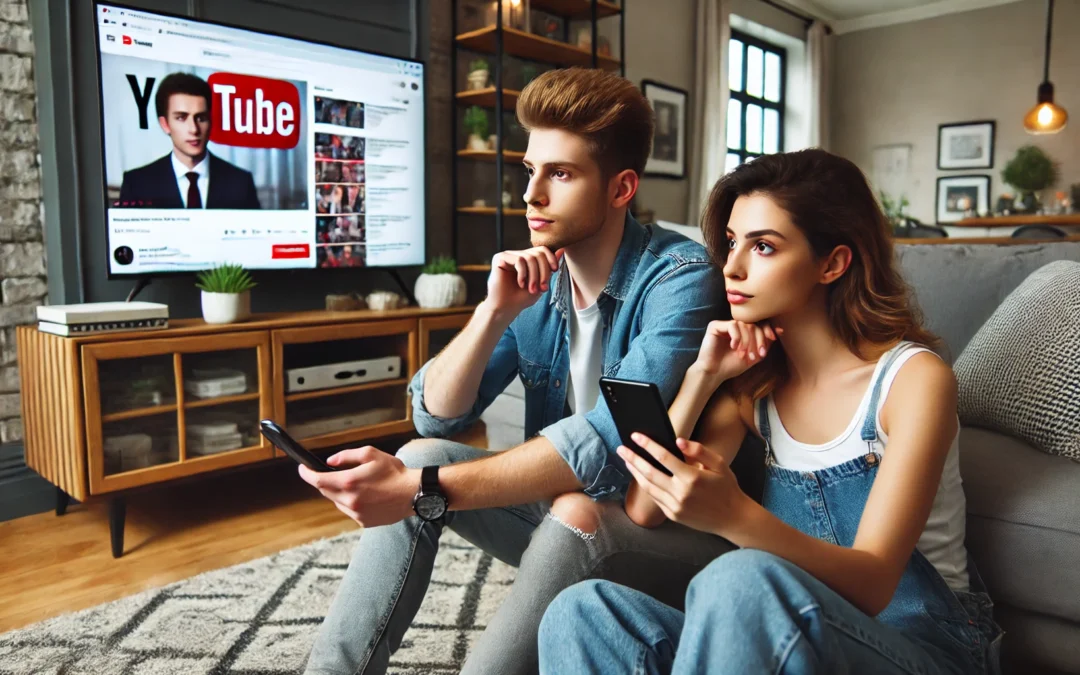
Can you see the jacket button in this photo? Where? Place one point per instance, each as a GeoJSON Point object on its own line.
{"type": "Point", "coordinates": [557, 384]}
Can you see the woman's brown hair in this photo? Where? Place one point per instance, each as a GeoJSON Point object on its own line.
{"type": "Point", "coordinates": [828, 199]}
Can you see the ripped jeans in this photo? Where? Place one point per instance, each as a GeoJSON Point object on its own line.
{"type": "Point", "coordinates": [391, 567]}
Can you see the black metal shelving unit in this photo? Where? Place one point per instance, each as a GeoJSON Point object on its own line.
{"type": "Point", "coordinates": [499, 41]}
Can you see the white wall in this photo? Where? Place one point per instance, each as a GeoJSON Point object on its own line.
{"type": "Point", "coordinates": [897, 84]}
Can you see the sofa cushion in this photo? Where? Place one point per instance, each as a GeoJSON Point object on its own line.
{"type": "Point", "coordinates": [1023, 526]}
{"type": "Point", "coordinates": [1020, 374]}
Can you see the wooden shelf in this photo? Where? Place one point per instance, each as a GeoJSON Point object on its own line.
{"type": "Point", "coordinates": [490, 155]}
{"type": "Point", "coordinates": [576, 9]}
{"type": "Point", "coordinates": [381, 430]}
{"type": "Point", "coordinates": [221, 400]}
{"type": "Point", "coordinates": [474, 268]}
{"type": "Point", "coordinates": [533, 47]}
{"type": "Point", "coordinates": [138, 412]}
{"type": "Point", "coordinates": [319, 393]}
{"type": "Point", "coordinates": [489, 211]}
{"type": "Point", "coordinates": [485, 98]}
{"type": "Point", "coordinates": [1013, 221]}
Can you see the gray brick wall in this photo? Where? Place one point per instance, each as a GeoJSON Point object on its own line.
{"type": "Point", "coordinates": [22, 250]}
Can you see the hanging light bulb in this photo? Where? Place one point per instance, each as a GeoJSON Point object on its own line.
{"type": "Point", "coordinates": [1046, 117]}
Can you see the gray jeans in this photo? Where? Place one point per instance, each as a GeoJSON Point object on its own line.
{"type": "Point", "coordinates": [388, 577]}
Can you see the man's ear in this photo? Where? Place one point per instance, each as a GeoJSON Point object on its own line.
{"type": "Point", "coordinates": [836, 264]}
{"type": "Point", "coordinates": [623, 187]}
{"type": "Point", "coordinates": [164, 125]}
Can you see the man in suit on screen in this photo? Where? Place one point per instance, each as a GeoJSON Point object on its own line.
{"type": "Point", "coordinates": [190, 176]}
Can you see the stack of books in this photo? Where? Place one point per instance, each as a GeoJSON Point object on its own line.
{"type": "Point", "coordinates": [102, 317]}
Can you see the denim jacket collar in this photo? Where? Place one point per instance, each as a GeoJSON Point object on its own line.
{"type": "Point", "coordinates": [634, 240]}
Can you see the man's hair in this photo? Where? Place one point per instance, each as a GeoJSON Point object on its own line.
{"type": "Point", "coordinates": [605, 109]}
{"type": "Point", "coordinates": [180, 83]}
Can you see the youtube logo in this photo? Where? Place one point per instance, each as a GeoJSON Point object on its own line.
{"type": "Point", "coordinates": [127, 39]}
{"type": "Point", "coordinates": [254, 112]}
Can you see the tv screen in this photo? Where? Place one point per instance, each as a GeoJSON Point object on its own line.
{"type": "Point", "coordinates": [230, 145]}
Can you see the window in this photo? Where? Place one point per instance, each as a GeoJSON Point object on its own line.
{"type": "Point", "coordinates": [755, 114]}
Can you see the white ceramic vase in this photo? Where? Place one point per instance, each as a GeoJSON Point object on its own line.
{"type": "Point", "coordinates": [478, 79]}
{"type": "Point", "coordinates": [226, 307]}
{"type": "Point", "coordinates": [439, 291]}
{"type": "Point", "coordinates": [477, 143]}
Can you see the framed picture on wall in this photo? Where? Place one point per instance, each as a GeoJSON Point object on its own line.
{"type": "Point", "coordinates": [966, 145]}
{"type": "Point", "coordinates": [961, 196]}
{"type": "Point", "coordinates": [668, 157]}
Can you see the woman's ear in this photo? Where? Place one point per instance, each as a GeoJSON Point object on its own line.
{"type": "Point", "coordinates": [835, 265]}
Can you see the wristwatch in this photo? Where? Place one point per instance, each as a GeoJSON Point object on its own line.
{"type": "Point", "coordinates": [430, 502]}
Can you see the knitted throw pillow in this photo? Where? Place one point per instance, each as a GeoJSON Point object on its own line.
{"type": "Point", "coordinates": [1020, 374]}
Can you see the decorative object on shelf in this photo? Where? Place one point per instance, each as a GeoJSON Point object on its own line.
{"type": "Point", "coordinates": [668, 156]}
{"type": "Point", "coordinates": [215, 382]}
{"type": "Point", "coordinates": [507, 191]}
{"type": "Point", "coordinates": [1004, 205]}
{"type": "Point", "coordinates": [966, 145]}
{"type": "Point", "coordinates": [382, 301]}
{"type": "Point", "coordinates": [960, 196]}
{"type": "Point", "coordinates": [894, 210]}
{"type": "Point", "coordinates": [476, 124]}
{"type": "Point", "coordinates": [492, 142]}
{"type": "Point", "coordinates": [548, 25]}
{"type": "Point", "coordinates": [603, 46]}
{"type": "Point", "coordinates": [1046, 117]}
{"type": "Point", "coordinates": [226, 293]}
{"type": "Point", "coordinates": [440, 286]}
{"type": "Point", "coordinates": [1030, 171]}
{"type": "Point", "coordinates": [344, 302]}
{"type": "Point", "coordinates": [1074, 197]}
{"type": "Point", "coordinates": [478, 74]}
{"type": "Point", "coordinates": [479, 203]}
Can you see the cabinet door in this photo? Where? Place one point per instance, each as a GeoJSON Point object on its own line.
{"type": "Point", "coordinates": [344, 383]}
{"type": "Point", "coordinates": [173, 407]}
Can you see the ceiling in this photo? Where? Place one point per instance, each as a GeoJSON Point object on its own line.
{"type": "Point", "coordinates": [850, 15]}
{"type": "Point", "coordinates": [854, 9]}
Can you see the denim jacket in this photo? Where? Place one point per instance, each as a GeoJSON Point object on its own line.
{"type": "Point", "coordinates": [662, 293]}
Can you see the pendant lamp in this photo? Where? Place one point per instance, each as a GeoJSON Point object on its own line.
{"type": "Point", "coordinates": [1046, 117]}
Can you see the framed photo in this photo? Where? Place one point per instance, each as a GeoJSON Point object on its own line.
{"type": "Point", "coordinates": [966, 145]}
{"type": "Point", "coordinates": [668, 157]}
{"type": "Point", "coordinates": [959, 196]}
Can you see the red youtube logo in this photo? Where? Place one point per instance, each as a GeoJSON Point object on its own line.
{"type": "Point", "coordinates": [127, 39]}
{"type": "Point", "coordinates": [254, 112]}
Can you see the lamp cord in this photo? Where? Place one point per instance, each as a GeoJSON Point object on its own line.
{"type": "Point", "coordinates": [1049, 21]}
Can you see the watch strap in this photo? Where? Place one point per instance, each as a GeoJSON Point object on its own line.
{"type": "Point", "coordinates": [429, 480]}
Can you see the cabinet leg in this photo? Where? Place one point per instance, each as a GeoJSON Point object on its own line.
{"type": "Point", "coordinates": [62, 501]}
{"type": "Point", "coordinates": [117, 513]}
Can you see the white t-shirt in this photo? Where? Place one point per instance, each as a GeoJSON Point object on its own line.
{"type": "Point", "coordinates": [586, 355]}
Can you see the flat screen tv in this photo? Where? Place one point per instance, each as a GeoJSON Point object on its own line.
{"type": "Point", "coordinates": [223, 144]}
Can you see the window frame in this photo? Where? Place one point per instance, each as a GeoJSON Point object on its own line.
{"type": "Point", "coordinates": [746, 99]}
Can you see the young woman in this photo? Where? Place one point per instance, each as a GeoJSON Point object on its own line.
{"type": "Point", "coordinates": [854, 562]}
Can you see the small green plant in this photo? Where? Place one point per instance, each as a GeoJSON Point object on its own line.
{"type": "Point", "coordinates": [441, 265]}
{"type": "Point", "coordinates": [894, 210]}
{"type": "Point", "coordinates": [476, 121]}
{"type": "Point", "coordinates": [1030, 170]}
{"type": "Point", "coordinates": [478, 64]}
{"type": "Point", "coordinates": [227, 278]}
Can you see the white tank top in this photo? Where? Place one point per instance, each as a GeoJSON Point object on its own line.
{"type": "Point", "coordinates": [942, 541]}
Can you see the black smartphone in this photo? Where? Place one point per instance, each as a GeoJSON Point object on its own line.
{"type": "Point", "coordinates": [292, 448]}
{"type": "Point", "coordinates": [638, 407]}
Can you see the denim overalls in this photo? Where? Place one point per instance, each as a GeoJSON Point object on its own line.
{"type": "Point", "coordinates": [828, 504]}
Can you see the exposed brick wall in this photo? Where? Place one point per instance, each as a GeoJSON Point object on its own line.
{"type": "Point", "coordinates": [22, 248]}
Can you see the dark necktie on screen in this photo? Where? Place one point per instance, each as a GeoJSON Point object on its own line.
{"type": "Point", "coordinates": [194, 199]}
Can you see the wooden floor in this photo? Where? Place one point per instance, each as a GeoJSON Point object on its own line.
{"type": "Point", "coordinates": [51, 565]}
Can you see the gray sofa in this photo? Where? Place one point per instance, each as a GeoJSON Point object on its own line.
{"type": "Point", "coordinates": [1023, 504]}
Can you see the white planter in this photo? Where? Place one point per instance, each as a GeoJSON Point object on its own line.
{"type": "Point", "coordinates": [226, 307]}
{"type": "Point", "coordinates": [478, 79]}
{"type": "Point", "coordinates": [439, 291]}
{"type": "Point", "coordinates": [477, 143]}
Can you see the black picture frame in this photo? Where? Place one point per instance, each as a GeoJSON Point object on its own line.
{"type": "Point", "coordinates": [667, 158]}
{"type": "Point", "coordinates": [980, 131]}
{"type": "Point", "coordinates": [981, 184]}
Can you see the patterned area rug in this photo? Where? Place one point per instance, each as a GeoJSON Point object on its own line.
{"type": "Point", "coordinates": [258, 618]}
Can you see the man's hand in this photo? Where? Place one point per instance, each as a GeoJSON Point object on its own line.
{"type": "Point", "coordinates": [519, 278]}
{"type": "Point", "coordinates": [378, 489]}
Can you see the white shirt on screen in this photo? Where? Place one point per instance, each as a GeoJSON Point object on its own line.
{"type": "Point", "coordinates": [202, 168]}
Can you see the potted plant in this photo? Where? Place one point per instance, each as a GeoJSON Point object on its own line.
{"type": "Point", "coordinates": [440, 286]}
{"type": "Point", "coordinates": [894, 211]}
{"type": "Point", "coordinates": [1030, 171]}
{"type": "Point", "coordinates": [476, 123]}
{"type": "Point", "coordinates": [226, 293]}
{"type": "Point", "coordinates": [478, 74]}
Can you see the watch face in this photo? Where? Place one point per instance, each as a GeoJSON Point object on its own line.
{"type": "Point", "coordinates": [430, 507]}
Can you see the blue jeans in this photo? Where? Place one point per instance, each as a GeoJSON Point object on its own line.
{"type": "Point", "coordinates": [747, 612]}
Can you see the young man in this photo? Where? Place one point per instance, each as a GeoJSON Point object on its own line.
{"type": "Point", "coordinates": [189, 177]}
{"type": "Point", "coordinates": [598, 294]}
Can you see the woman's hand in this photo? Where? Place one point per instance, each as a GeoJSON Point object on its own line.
{"type": "Point", "coordinates": [701, 493]}
{"type": "Point", "coordinates": [730, 348]}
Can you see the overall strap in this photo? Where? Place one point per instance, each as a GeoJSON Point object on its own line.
{"type": "Point", "coordinates": [764, 428]}
{"type": "Point", "coordinates": [869, 427]}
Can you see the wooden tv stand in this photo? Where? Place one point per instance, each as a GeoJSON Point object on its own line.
{"type": "Point", "coordinates": [107, 413]}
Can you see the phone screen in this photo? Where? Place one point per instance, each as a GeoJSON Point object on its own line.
{"type": "Point", "coordinates": [638, 407]}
